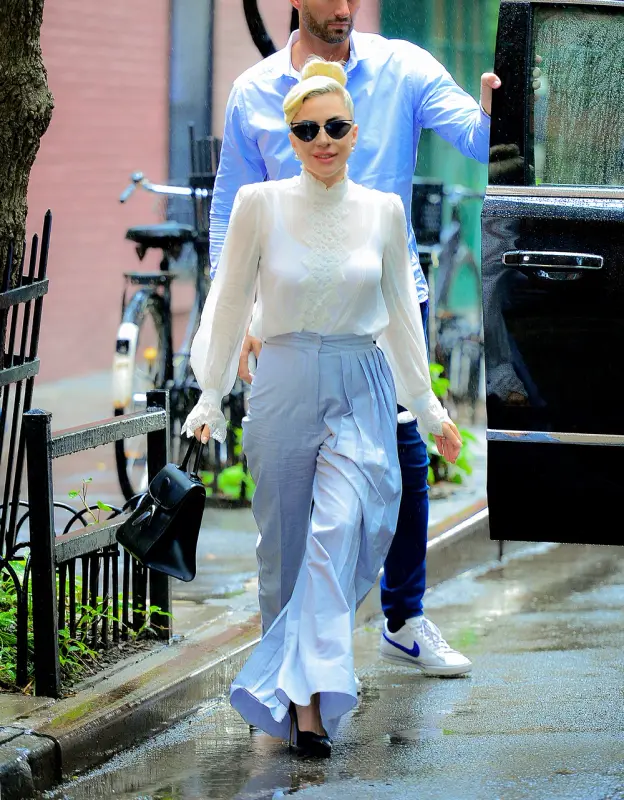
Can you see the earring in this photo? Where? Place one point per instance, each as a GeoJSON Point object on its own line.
{"type": "Point", "coordinates": [296, 155]}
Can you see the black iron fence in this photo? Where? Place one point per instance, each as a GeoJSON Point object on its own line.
{"type": "Point", "coordinates": [20, 322]}
{"type": "Point", "coordinates": [76, 576]}
{"type": "Point", "coordinates": [77, 587]}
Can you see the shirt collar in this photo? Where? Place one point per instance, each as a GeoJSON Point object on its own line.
{"type": "Point", "coordinates": [317, 189]}
{"type": "Point", "coordinates": [360, 50]}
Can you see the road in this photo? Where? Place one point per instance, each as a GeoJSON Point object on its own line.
{"type": "Point", "coordinates": [541, 716]}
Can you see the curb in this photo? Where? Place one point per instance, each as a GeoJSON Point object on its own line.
{"type": "Point", "coordinates": [33, 761]}
{"type": "Point", "coordinates": [29, 763]}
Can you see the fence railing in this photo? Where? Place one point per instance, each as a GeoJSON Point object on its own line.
{"type": "Point", "coordinates": [79, 570]}
{"type": "Point", "coordinates": [20, 323]}
{"type": "Point", "coordinates": [77, 585]}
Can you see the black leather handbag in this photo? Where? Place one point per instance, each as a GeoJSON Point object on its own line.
{"type": "Point", "coordinates": [162, 532]}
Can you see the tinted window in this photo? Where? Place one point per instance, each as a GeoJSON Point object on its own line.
{"type": "Point", "coordinates": [579, 109]}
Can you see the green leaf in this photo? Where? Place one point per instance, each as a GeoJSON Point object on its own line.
{"type": "Point", "coordinates": [463, 464]}
{"type": "Point", "coordinates": [231, 480]}
{"type": "Point", "coordinates": [430, 476]}
{"type": "Point", "coordinates": [103, 507]}
{"type": "Point", "coordinates": [73, 493]}
{"type": "Point", "coordinates": [435, 370]}
{"type": "Point", "coordinates": [87, 480]}
{"type": "Point", "coordinates": [207, 478]}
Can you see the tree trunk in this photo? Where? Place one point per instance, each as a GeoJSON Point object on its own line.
{"type": "Point", "coordinates": [25, 111]}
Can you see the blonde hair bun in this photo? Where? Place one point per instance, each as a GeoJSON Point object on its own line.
{"type": "Point", "coordinates": [315, 66]}
{"type": "Point", "coordinates": [318, 77]}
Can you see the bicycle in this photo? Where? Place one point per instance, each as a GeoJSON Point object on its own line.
{"type": "Point", "coordinates": [144, 353]}
{"type": "Point", "coordinates": [455, 337]}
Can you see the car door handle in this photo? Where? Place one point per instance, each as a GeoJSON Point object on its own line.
{"type": "Point", "coordinates": [551, 259]}
{"type": "Point", "coordinates": [551, 265]}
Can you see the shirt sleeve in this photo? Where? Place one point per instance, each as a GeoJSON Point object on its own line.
{"type": "Point", "coordinates": [403, 341]}
{"type": "Point", "coordinates": [216, 346]}
{"type": "Point", "coordinates": [240, 163]}
{"type": "Point", "coordinates": [440, 104]}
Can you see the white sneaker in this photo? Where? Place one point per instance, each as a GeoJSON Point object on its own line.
{"type": "Point", "coordinates": [420, 644]}
{"type": "Point", "coordinates": [358, 684]}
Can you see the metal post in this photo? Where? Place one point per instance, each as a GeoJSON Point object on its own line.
{"type": "Point", "coordinates": [157, 458]}
{"type": "Point", "coordinates": [139, 595]}
{"type": "Point", "coordinates": [258, 32]}
{"type": "Point", "coordinates": [38, 433]}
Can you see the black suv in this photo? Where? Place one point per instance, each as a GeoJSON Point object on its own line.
{"type": "Point", "coordinates": [553, 274]}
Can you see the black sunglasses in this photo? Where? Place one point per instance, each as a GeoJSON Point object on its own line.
{"type": "Point", "coordinates": [308, 131]}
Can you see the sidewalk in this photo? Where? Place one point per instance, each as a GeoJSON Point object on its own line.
{"type": "Point", "coordinates": [216, 619]}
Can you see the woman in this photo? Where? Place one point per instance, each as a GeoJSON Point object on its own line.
{"type": "Point", "coordinates": [327, 263]}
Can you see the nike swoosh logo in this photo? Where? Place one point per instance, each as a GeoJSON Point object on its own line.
{"type": "Point", "coordinates": [415, 651]}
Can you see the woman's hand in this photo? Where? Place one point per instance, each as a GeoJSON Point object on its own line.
{"type": "Point", "coordinates": [202, 434]}
{"type": "Point", "coordinates": [449, 444]}
{"type": "Point", "coordinates": [250, 345]}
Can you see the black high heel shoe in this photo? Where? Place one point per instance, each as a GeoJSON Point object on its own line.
{"type": "Point", "coordinates": [307, 743]}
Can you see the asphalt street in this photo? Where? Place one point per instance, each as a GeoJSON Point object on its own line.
{"type": "Point", "coordinates": [540, 717]}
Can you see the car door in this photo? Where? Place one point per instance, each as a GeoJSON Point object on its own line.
{"type": "Point", "coordinates": [553, 274]}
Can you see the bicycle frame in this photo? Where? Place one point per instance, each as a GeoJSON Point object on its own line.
{"type": "Point", "coordinates": [199, 195]}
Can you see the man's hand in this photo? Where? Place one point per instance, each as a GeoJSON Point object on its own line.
{"type": "Point", "coordinates": [250, 345]}
{"type": "Point", "coordinates": [506, 163]}
{"type": "Point", "coordinates": [450, 443]}
{"type": "Point", "coordinates": [536, 75]}
{"type": "Point", "coordinates": [489, 82]}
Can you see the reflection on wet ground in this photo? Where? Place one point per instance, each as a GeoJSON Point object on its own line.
{"type": "Point", "coordinates": [541, 716]}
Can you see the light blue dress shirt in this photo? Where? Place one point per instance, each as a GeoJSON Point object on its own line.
{"type": "Point", "coordinates": [397, 88]}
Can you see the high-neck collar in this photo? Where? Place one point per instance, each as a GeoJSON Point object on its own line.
{"type": "Point", "coordinates": [317, 188]}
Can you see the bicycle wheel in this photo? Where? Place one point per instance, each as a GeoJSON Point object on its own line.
{"type": "Point", "coordinates": [140, 364]}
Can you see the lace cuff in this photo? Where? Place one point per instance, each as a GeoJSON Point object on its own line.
{"type": "Point", "coordinates": [205, 413]}
{"type": "Point", "coordinates": [431, 415]}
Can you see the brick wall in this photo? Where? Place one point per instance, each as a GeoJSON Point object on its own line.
{"type": "Point", "coordinates": [108, 70]}
{"type": "Point", "coordinates": [235, 51]}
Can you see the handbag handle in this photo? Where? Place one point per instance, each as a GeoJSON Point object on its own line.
{"type": "Point", "coordinates": [187, 457]}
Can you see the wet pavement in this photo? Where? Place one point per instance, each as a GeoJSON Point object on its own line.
{"type": "Point", "coordinates": [540, 717]}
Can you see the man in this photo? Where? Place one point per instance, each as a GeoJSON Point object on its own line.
{"type": "Point", "coordinates": [398, 89]}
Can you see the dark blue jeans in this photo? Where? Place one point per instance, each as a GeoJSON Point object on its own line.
{"type": "Point", "coordinates": [404, 580]}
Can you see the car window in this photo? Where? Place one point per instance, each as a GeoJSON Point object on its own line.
{"type": "Point", "coordinates": [578, 119]}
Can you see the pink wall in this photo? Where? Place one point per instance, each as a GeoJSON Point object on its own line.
{"type": "Point", "coordinates": [108, 67]}
{"type": "Point", "coordinates": [235, 52]}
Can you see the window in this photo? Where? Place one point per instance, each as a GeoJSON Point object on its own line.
{"type": "Point", "coordinates": [579, 108]}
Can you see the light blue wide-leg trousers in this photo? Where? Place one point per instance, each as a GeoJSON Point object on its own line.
{"type": "Point", "coordinates": [320, 441]}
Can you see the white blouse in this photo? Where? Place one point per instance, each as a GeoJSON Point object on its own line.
{"type": "Point", "coordinates": [326, 261]}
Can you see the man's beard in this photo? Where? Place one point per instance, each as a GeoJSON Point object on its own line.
{"type": "Point", "coordinates": [323, 31]}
